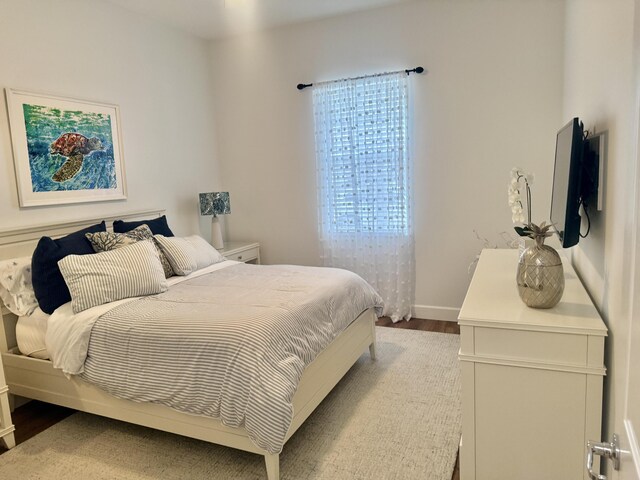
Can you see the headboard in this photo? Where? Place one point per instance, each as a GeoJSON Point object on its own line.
{"type": "Point", "coordinates": [20, 242]}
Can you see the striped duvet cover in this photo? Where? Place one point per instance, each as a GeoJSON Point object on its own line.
{"type": "Point", "coordinates": [231, 344]}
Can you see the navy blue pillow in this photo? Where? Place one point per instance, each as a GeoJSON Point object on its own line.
{"type": "Point", "coordinates": [158, 226]}
{"type": "Point", "coordinates": [48, 283]}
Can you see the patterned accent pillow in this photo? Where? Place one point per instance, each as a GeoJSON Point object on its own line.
{"type": "Point", "coordinates": [106, 241]}
{"type": "Point", "coordinates": [131, 271]}
{"type": "Point", "coordinates": [16, 289]}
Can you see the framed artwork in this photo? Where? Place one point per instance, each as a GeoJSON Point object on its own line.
{"type": "Point", "coordinates": [65, 150]}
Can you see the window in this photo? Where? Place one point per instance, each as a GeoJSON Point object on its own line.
{"type": "Point", "coordinates": [361, 141]}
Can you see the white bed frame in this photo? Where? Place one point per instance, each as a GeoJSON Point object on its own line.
{"type": "Point", "coordinates": [37, 379]}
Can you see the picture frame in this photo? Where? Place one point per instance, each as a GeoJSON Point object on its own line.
{"type": "Point", "coordinates": [65, 150]}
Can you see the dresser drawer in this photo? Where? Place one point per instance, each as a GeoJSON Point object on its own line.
{"type": "Point", "coordinates": [547, 347]}
{"type": "Point", "coordinates": [244, 256]}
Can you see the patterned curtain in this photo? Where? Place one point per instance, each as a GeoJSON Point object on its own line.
{"type": "Point", "coordinates": [364, 184]}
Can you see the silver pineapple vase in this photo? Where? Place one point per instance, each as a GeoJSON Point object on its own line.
{"type": "Point", "coordinates": [540, 276]}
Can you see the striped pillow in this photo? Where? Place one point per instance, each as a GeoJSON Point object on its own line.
{"type": "Point", "coordinates": [181, 254]}
{"type": "Point", "coordinates": [189, 253]}
{"type": "Point", "coordinates": [100, 278]}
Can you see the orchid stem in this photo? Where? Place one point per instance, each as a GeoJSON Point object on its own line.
{"type": "Point", "coordinates": [528, 202]}
{"type": "Point", "coordinates": [526, 183]}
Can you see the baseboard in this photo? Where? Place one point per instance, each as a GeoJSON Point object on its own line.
{"type": "Point", "coordinates": [428, 312]}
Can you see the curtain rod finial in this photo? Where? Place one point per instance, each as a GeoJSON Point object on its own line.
{"type": "Point", "coordinates": [302, 86]}
{"type": "Point", "coordinates": [416, 70]}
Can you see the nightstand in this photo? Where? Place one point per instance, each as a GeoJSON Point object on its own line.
{"type": "Point", "coordinates": [6, 427]}
{"type": "Point", "coordinates": [247, 252]}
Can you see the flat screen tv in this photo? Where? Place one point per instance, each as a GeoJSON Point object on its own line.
{"type": "Point", "coordinates": [567, 178]}
{"type": "Point", "coordinates": [577, 179]}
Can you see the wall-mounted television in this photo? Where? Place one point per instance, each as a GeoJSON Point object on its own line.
{"type": "Point", "coordinates": [576, 176]}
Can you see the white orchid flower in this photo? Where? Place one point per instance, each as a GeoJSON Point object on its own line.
{"type": "Point", "coordinates": [529, 177]}
{"type": "Point", "coordinates": [515, 196]}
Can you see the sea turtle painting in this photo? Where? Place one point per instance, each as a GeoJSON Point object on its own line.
{"type": "Point", "coordinates": [74, 146]}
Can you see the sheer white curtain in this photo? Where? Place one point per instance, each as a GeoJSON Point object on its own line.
{"type": "Point", "coordinates": [364, 184]}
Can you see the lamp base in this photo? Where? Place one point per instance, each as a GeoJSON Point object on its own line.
{"type": "Point", "coordinates": [216, 234]}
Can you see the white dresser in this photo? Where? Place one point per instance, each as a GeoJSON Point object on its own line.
{"type": "Point", "coordinates": [531, 378]}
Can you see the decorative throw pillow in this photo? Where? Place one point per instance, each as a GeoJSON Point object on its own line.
{"type": "Point", "coordinates": [106, 241]}
{"type": "Point", "coordinates": [130, 271]}
{"type": "Point", "coordinates": [48, 283]}
{"type": "Point", "coordinates": [158, 226]}
{"type": "Point", "coordinates": [189, 253]}
{"type": "Point", "coordinates": [180, 253]}
{"type": "Point", "coordinates": [16, 289]}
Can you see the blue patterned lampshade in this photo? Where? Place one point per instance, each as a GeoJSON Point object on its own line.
{"type": "Point", "coordinates": [215, 203]}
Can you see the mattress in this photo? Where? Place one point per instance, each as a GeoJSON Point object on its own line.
{"type": "Point", "coordinates": [30, 334]}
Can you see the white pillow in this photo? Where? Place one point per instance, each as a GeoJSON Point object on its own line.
{"type": "Point", "coordinates": [31, 331]}
{"type": "Point", "coordinates": [187, 254]}
{"type": "Point", "coordinates": [16, 289]}
{"type": "Point", "coordinates": [205, 254]}
{"type": "Point", "coordinates": [105, 277]}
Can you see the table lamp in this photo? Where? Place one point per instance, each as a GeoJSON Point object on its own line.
{"type": "Point", "coordinates": [215, 203]}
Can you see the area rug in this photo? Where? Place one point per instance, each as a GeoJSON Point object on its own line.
{"type": "Point", "coordinates": [396, 418]}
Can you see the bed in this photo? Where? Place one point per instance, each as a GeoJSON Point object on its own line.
{"type": "Point", "coordinates": [34, 378]}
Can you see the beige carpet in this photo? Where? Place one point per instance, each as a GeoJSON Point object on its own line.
{"type": "Point", "coordinates": [396, 418]}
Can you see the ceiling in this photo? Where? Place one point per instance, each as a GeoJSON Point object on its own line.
{"type": "Point", "coordinates": [213, 19]}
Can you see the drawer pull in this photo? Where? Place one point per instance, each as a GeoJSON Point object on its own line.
{"type": "Point", "coordinates": [239, 257]}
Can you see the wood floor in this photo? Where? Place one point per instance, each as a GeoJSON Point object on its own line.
{"type": "Point", "coordinates": [419, 324]}
{"type": "Point", "coordinates": [34, 417]}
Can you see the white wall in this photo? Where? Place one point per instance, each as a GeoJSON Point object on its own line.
{"type": "Point", "coordinates": [491, 100]}
{"type": "Point", "coordinates": [599, 88]}
{"type": "Point", "coordinates": [160, 78]}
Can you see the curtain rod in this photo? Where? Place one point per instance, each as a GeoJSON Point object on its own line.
{"type": "Point", "coordinates": [302, 86]}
